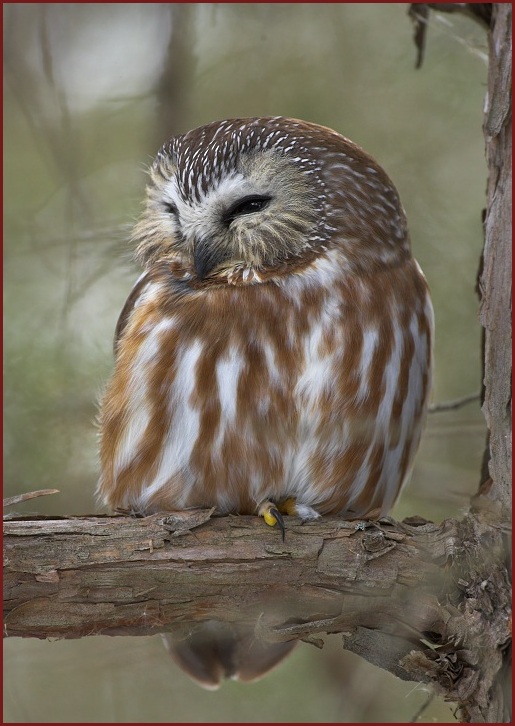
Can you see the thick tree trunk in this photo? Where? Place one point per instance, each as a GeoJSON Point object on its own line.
{"type": "Point", "coordinates": [427, 602]}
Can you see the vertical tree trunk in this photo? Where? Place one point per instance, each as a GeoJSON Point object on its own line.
{"type": "Point", "coordinates": [176, 78]}
{"type": "Point", "coordinates": [492, 506]}
{"type": "Point", "coordinates": [495, 280]}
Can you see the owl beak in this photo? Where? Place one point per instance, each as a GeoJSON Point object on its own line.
{"type": "Point", "coordinates": [206, 258]}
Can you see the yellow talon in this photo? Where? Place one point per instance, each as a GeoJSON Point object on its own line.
{"type": "Point", "coordinates": [272, 516]}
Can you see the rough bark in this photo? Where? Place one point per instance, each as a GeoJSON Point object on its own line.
{"type": "Point", "coordinates": [495, 279]}
{"type": "Point", "coordinates": [415, 598]}
{"type": "Point", "coordinates": [120, 575]}
{"type": "Point", "coordinates": [427, 602]}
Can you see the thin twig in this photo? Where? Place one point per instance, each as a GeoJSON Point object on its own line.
{"type": "Point", "coordinates": [10, 501]}
{"type": "Point", "coordinates": [422, 708]}
{"type": "Point", "coordinates": [454, 404]}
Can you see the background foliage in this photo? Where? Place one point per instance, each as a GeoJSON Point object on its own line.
{"type": "Point", "coordinates": [91, 92]}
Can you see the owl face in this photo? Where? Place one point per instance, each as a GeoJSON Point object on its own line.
{"type": "Point", "coordinates": [250, 196]}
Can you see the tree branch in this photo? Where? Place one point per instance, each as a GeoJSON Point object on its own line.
{"type": "Point", "coordinates": [410, 597]}
{"type": "Point", "coordinates": [143, 575]}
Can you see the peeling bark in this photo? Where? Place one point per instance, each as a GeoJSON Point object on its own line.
{"type": "Point", "coordinates": [112, 575]}
{"type": "Point", "coordinates": [415, 598]}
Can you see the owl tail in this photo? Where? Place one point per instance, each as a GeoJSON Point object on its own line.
{"type": "Point", "coordinates": [213, 651]}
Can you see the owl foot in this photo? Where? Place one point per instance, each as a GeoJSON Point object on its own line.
{"type": "Point", "coordinates": [303, 511]}
{"type": "Point", "coordinates": [271, 515]}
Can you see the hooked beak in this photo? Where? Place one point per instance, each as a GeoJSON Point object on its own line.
{"type": "Point", "coordinates": [207, 257]}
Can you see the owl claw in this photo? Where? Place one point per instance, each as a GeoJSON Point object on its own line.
{"type": "Point", "coordinates": [279, 519]}
{"type": "Point", "coordinates": [272, 516]}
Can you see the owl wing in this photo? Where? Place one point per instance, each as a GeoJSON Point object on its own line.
{"type": "Point", "coordinates": [131, 302]}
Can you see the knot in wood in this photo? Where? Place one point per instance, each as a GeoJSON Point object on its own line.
{"type": "Point", "coordinates": [374, 541]}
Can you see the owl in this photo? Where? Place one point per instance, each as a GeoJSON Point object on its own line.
{"type": "Point", "coordinates": [275, 355]}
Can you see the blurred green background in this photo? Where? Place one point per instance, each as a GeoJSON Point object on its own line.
{"type": "Point", "coordinates": [91, 91]}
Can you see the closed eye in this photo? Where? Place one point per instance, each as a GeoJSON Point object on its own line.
{"type": "Point", "coordinates": [170, 208]}
{"type": "Point", "coordinates": [247, 205]}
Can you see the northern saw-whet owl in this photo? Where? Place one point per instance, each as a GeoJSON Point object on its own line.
{"type": "Point", "coordinates": [275, 355]}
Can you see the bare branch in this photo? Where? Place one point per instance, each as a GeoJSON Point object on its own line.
{"type": "Point", "coordinates": [18, 498]}
{"type": "Point", "coordinates": [413, 598]}
{"type": "Point", "coordinates": [454, 404]}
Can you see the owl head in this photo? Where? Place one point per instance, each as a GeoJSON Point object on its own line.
{"type": "Point", "coordinates": [240, 200]}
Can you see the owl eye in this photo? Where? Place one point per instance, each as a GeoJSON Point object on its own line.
{"type": "Point", "coordinates": [170, 208]}
{"type": "Point", "coordinates": [247, 205]}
